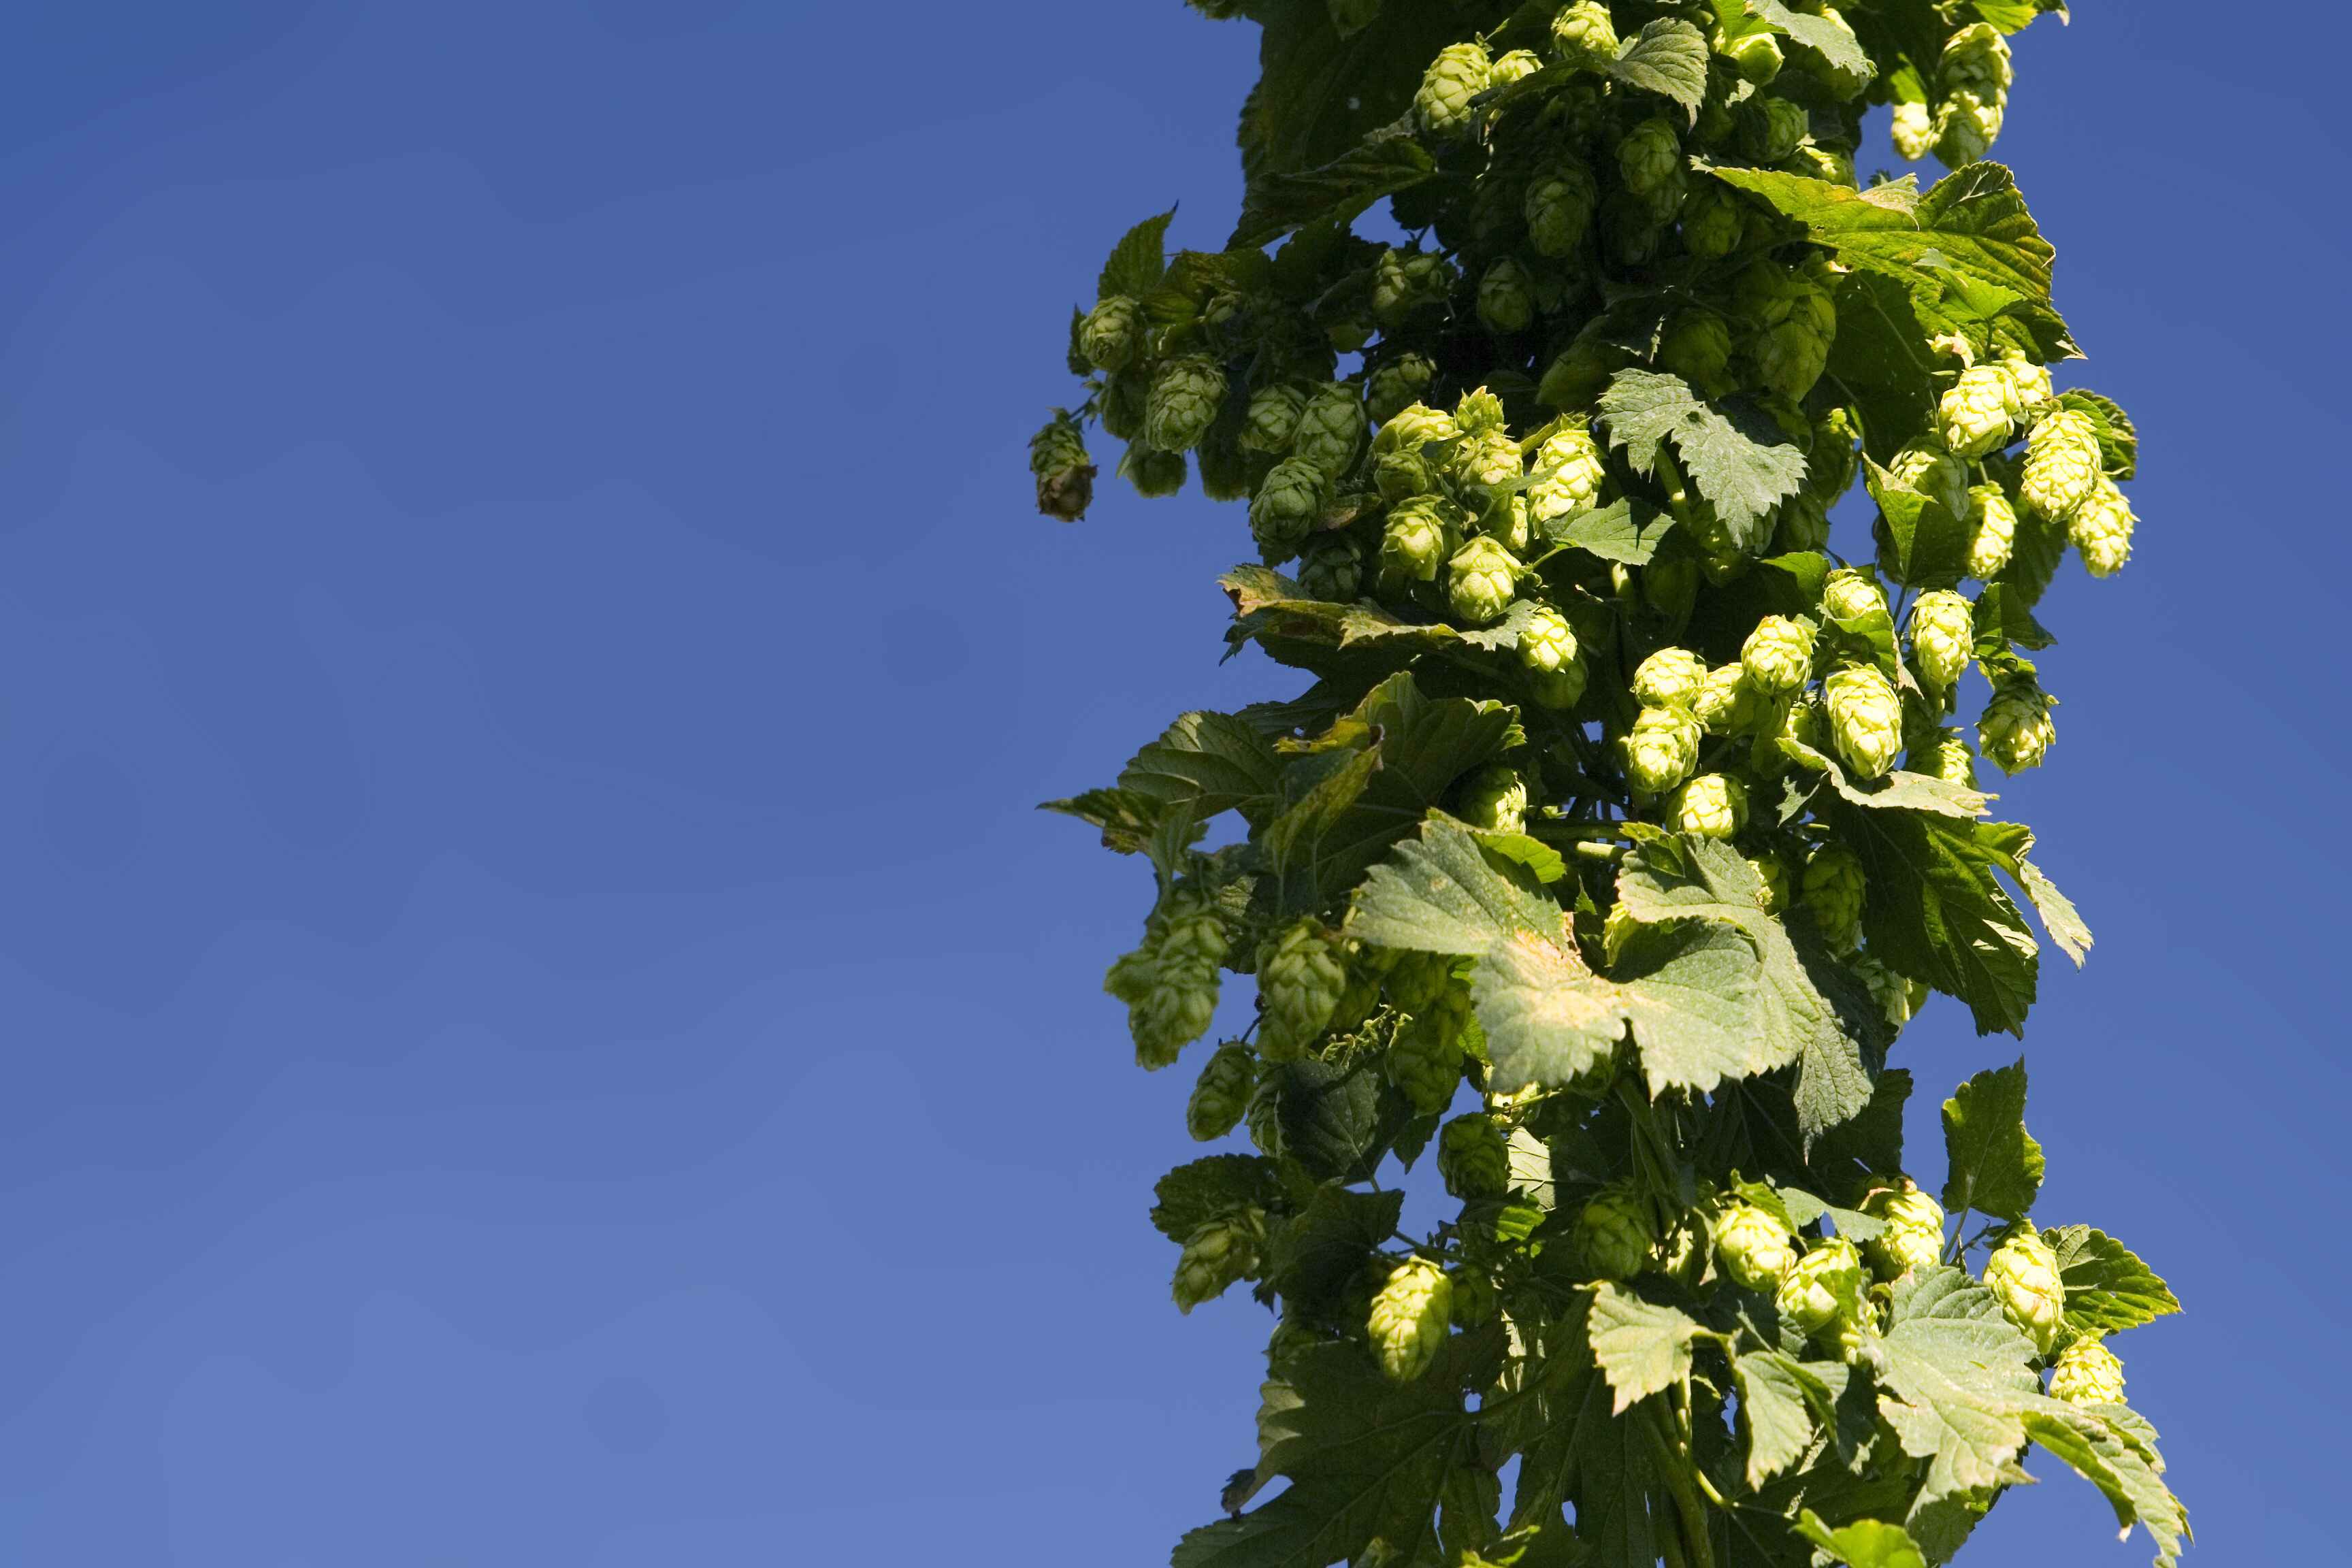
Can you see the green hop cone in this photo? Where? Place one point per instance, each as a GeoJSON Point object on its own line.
{"type": "Point", "coordinates": [2015, 732]}
{"type": "Point", "coordinates": [2031, 380]}
{"type": "Point", "coordinates": [1974, 78]}
{"type": "Point", "coordinates": [1778, 656]}
{"type": "Point", "coordinates": [1333, 572]}
{"type": "Point", "coordinates": [1507, 298]}
{"type": "Point", "coordinates": [1547, 652]}
{"type": "Point", "coordinates": [1791, 325]}
{"type": "Point", "coordinates": [1409, 1318]}
{"type": "Point", "coordinates": [1570, 473]}
{"type": "Point", "coordinates": [2023, 1274]}
{"type": "Point", "coordinates": [1481, 579]}
{"type": "Point", "coordinates": [1650, 161]}
{"type": "Point", "coordinates": [1712, 220]}
{"type": "Point", "coordinates": [1558, 208]}
{"type": "Point", "coordinates": [1479, 413]}
{"type": "Point", "coordinates": [1803, 525]}
{"type": "Point", "coordinates": [1583, 34]}
{"type": "Point", "coordinates": [1473, 1157]}
{"type": "Point", "coordinates": [1486, 464]}
{"type": "Point", "coordinates": [1757, 57]}
{"type": "Point", "coordinates": [1064, 474]}
{"type": "Point", "coordinates": [1830, 460]}
{"type": "Point", "coordinates": [1330, 430]}
{"type": "Point", "coordinates": [1112, 333]}
{"type": "Point", "coordinates": [1913, 131]}
{"type": "Point", "coordinates": [1712, 805]}
{"type": "Point", "coordinates": [1824, 1289]}
{"type": "Point", "coordinates": [1897, 998]}
{"type": "Point", "coordinates": [1631, 230]}
{"type": "Point", "coordinates": [1416, 539]}
{"type": "Point", "coordinates": [1512, 525]}
{"type": "Point", "coordinates": [1669, 677]}
{"type": "Point", "coordinates": [1754, 1248]}
{"type": "Point", "coordinates": [1850, 595]}
{"type": "Point", "coordinates": [1460, 73]}
{"type": "Point", "coordinates": [1613, 1235]}
{"type": "Point", "coordinates": [1220, 1254]}
{"type": "Point", "coordinates": [1980, 412]}
{"type": "Point", "coordinates": [1866, 719]}
{"type": "Point", "coordinates": [1771, 868]}
{"type": "Point", "coordinates": [1926, 468]}
{"type": "Point", "coordinates": [1397, 385]}
{"type": "Point", "coordinates": [1273, 417]}
{"type": "Point", "coordinates": [1404, 284]}
{"type": "Point", "coordinates": [1494, 798]}
{"type": "Point", "coordinates": [1661, 749]}
{"type": "Point", "coordinates": [1425, 1061]}
{"type": "Point", "coordinates": [1728, 703]}
{"type": "Point", "coordinates": [1517, 66]}
{"type": "Point", "coordinates": [1222, 1093]}
{"type": "Point", "coordinates": [1169, 981]}
{"type": "Point", "coordinates": [1300, 978]}
{"type": "Point", "coordinates": [2062, 464]}
{"type": "Point", "coordinates": [1833, 890]}
{"type": "Point", "coordinates": [2087, 1373]}
{"type": "Point", "coordinates": [1288, 505]}
{"type": "Point", "coordinates": [1413, 427]}
{"type": "Point", "coordinates": [1944, 754]}
{"type": "Point", "coordinates": [2101, 529]}
{"type": "Point", "coordinates": [1697, 347]}
{"type": "Point", "coordinates": [1400, 475]}
{"type": "Point", "coordinates": [1183, 403]}
{"type": "Point", "coordinates": [1774, 128]}
{"type": "Point", "coordinates": [1992, 532]}
{"type": "Point", "coordinates": [1913, 1236]}
{"type": "Point", "coordinates": [1152, 472]}
{"type": "Point", "coordinates": [1943, 632]}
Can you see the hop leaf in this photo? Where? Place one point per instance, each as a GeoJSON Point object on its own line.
{"type": "Point", "coordinates": [1754, 1247]}
{"type": "Point", "coordinates": [1977, 415]}
{"type": "Point", "coordinates": [1409, 1316]}
{"type": "Point", "coordinates": [1112, 333]}
{"type": "Point", "coordinates": [2101, 529]}
{"type": "Point", "coordinates": [1833, 890]}
{"type": "Point", "coordinates": [1459, 74]}
{"type": "Point", "coordinates": [1669, 677]}
{"type": "Point", "coordinates": [1301, 979]}
{"type": "Point", "coordinates": [1661, 749]}
{"type": "Point", "coordinates": [1866, 719]}
{"type": "Point", "coordinates": [2023, 1274]}
{"type": "Point", "coordinates": [1992, 532]}
{"type": "Point", "coordinates": [1777, 655]}
{"type": "Point", "coordinates": [1221, 1094]}
{"type": "Point", "coordinates": [1824, 1289]}
{"type": "Point", "coordinates": [2087, 1373]}
{"type": "Point", "coordinates": [1219, 1253]}
{"type": "Point", "coordinates": [2062, 464]}
{"type": "Point", "coordinates": [1183, 403]}
{"type": "Point", "coordinates": [1943, 634]}
{"type": "Point", "coordinates": [1913, 1236]}
{"type": "Point", "coordinates": [1559, 207]}
{"type": "Point", "coordinates": [1481, 579]}
{"type": "Point", "coordinates": [2015, 730]}
{"type": "Point", "coordinates": [1286, 507]}
{"type": "Point", "coordinates": [1612, 1236]}
{"type": "Point", "coordinates": [1712, 805]}
{"type": "Point", "coordinates": [1473, 1158]}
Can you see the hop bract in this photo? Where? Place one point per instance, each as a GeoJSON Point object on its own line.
{"type": "Point", "coordinates": [1496, 798]}
{"type": "Point", "coordinates": [1330, 430]}
{"type": "Point", "coordinates": [1913, 1236]}
{"type": "Point", "coordinates": [1584, 34]}
{"type": "Point", "coordinates": [1559, 207]}
{"type": "Point", "coordinates": [1287, 506]}
{"type": "Point", "coordinates": [1980, 412]}
{"type": "Point", "coordinates": [2062, 464]}
{"type": "Point", "coordinates": [1777, 655]}
{"type": "Point", "coordinates": [2087, 1373]}
{"type": "Point", "coordinates": [1712, 805]}
{"type": "Point", "coordinates": [1669, 677]}
{"type": "Point", "coordinates": [1661, 749]}
{"type": "Point", "coordinates": [1613, 1234]}
{"type": "Point", "coordinates": [1397, 385]}
{"type": "Point", "coordinates": [1756, 1249]}
{"type": "Point", "coordinates": [1408, 1321]}
{"type": "Point", "coordinates": [1943, 634]}
{"type": "Point", "coordinates": [1473, 1157]}
{"type": "Point", "coordinates": [1221, 1094]}
{"type": "Point", "coordinates": [1570, 473]}
{"type": "Point", "coordinates": [1459, 74]}
{"type": "Point", "coordinates": [1992, 532]}
{"type": "Point", "coordinates": [2101, 529]}
{"type": "Point", "coordinates": [1219, 1253]}
{"type": "Point", "coordinates": [2015, 732]}
{"type": "Point", "coordinates": [1823, 1288]}
{"type": "Point", "coordinates": [1791, 326]}
{"type": "Point", "coordinates": [2023, 1274]}
{"type": "Point", "coordinates": [1300, 978]}
{"type": "Point", "coordinates": [1832, 890]}
{"type": "Point", "coordinates": [1866, 719]}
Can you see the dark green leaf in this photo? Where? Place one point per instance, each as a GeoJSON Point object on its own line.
{"type": "Point", "coordinates": [1138, 261]}
{"type": "Point", "coordinates": [1933, 912]}
{"type": "Point", "coordinates": [1210, 761]}
{"type": "Point", "coordinates": [1625, 530]}
{"type": "Point", "coordinates": [1314, 1254]}
{"type": "Point", "coordinates": [1126, 816]}
{"type": "Point", "coordinates": [1189, 1196]}
{"type": "Point", "coordinates": [1739, 462]}
{"type": "Point", "coordinates": [2108, 1288]}
{"type": "Point", "coordinates": [1668, 57]}
{"type": "Point", "coordinates": [1336, 192]}
{"type": "Point", "coordinates": [1995, 1165]}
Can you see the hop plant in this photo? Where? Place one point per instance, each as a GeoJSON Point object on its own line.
{"type": "Point", "coordinates": [1713, 805]}
{"type": "Point", "coordinates": [1287, 506]}
{"type": "Point", "coordinates": [1473, 1157]}
{"type": "Point", "coordinates": [2031, 380]}
{"type": "Point", "coordinates": [1301, 979]}
{"type": "Point", "coordinates": [1670, 677]}
{"type": "Point", "coordinates": [1330, 430]}
{"type": "Point", "coordinates": [2023, 1274]}
{"type": "Point", "coordinates": [1946, 755]}
{"type": "Point", "coordinates": [1065, 474]}
{"type": "Point", "coordinates": [1977, 415]}
{"type": "Point", "coordinates": [1398, 385]}
{"type": "Point", "coordinates": [1409, 1317]}
{"type": "Point", "coordinates": [1406, 283]}
{"type": "Point", "coordinates": [1832, 890]}
{"type": "Point", "coordinates": [1613, 1234]}
{"type": "Point", "coordinates": [1112, 334]}
{"type": "Point", "coordinates": [1413, 427]}
{"type": "Point", "coordinates": [1791, 325]}
{"type": "Point", "coordinates": [1517, 66]}
{"type": "Point", "coordinates": [1943, 633]}
{"type": "Point", "coordinates": [1221, 1094]}
{"type": "Point", "coordinates": [1486, 463]}
{"type": "Point", "coordinates": [1481, 579]}
{"type": "Point", "coordinates": [1220, 1254]}
{"type": "Point", "coordinates": [1349, 18]}
{"type": "Point", "coordinates": [1697, 347]}
{"type": "Point", "coordinates": [1754, 1248]}
{"type": "Point", "coordinates": [2101, 529]}
{"type": "Point", "coordinates": [2062, 464]}
{"type": "Point", "coordinates": [1460, 73]}
{"type": "Point", "coordinates": [1333, 572]}
{"type": "Point", "coordinates": [1804, 525]}
{"type": "Point", "coordinates": [1771, 868]}
{"type": "Point", "coordinates": [1584, 34]}
{"type": "Point", "coordinates": [1926, 468]}
{"type": "Point", "coordinates": [1712, 221]}
{"type": "Point", "coordinates": [1152, 471]}
{"type": "Point", "coordinates": [1913, 1236]}
{"type": "Point", "coordinates": [1558, 208]}
{"type": "Point", "coordinates": [1778, 129]}
{"type": "Point", "coordinates": [1650, 161]}
{"type": "Point", "coordinates": [1570, 474]}
{"type": "Point", "coordinates": [1183, 403]}
{"type": "Point", "coordinates": [1992, 532]}
{"type": "Point", "coordinates": [1866, 719]}
{"type": "Point", "coordinates": [1777, 655]}
{"type": "Point", "coordinates": [2087, 1373]}
{"type": "Point", "coordinates": [1661, 749]}
{"type": "Point", "coordinates": [1757, 57]}
{"type": "Point", "coordinates": [1169, 981]}
{"type": "Point", "coordinates": [1272, 418]}
{"type": "Point", "coordinates": [1823, 1288]}
{"type": "Point", "coordinates": [1548, 653]}
{"type": "Point", "coordinates": [2015, 732]}
{"type": "Point", "coordinates": [1416, 540]}
{"type": "Point", "coordinates": [1495, 798]}
{"type": "Point", "coordinates": [1425, 1060]}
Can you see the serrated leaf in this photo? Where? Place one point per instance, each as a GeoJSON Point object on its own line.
{"type": "Point", "coordinates": [1437, 893]}
{"type": "Point", "coordinates": [1316, 1254]}
{"type": "Point", "coordinates": [1995, 1166]}
{"type": "Point", "coordinates": [1924, 543]}
{"type": "Point", "coordinates": [1335, 193]}
{"type": "Point", "coordinates": [1668, 57]}
{"type": "Point", "coordinates": [1865, 1544]}
{"type": "Point", "coordinates": [1777, 1398]}
{"type": "Point", "coordinates": [1692, 993]}
{"type": "Point", "coordinates": [1127, 817]}
{"type": "Point", "coordinates": [2106, 1446]}
{"type": "Point", "coordinates": [2013, 842]}
{"type": "Point", "coordinates": [1953, 1375]}
{"type": "Point", "coordinates": [2109, 1289]}
{"type": "Point", "coordinates": [1933, 912]}
{"type": "Point", "coordinates": [1896, 791]}
{"type": "Point", "coordinates": [1834, 44]}
{"type": "Point", "coordinates": [1740, 464]}
{"type": "Point", "coordinates": [1190, 1195]}
{"type": "Point", "coordinates": [2003, 616]}
{"type": "Point", "coordinates": [1625, 530]}
{"type": "Point", "coordinates": [1882, 356]}
{"type": "Point", "coordinates": [1334, 1119]}
{"type": "Point", "coordinates": [1138, 261]}
{"type": "Point", "coordinates": [1641, 1348]}
{"type": "Point", "coordinates": [1873, 1140]}
{"type": "Point", "coordinates": [1537, 858]}
{"type": "Point", "coordinates": [1209, 762]}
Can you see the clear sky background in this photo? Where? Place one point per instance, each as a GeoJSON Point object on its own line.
{"type": "Point", "coordinates": [541, 1025]}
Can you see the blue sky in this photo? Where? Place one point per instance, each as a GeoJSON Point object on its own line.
{"type": "Point", "coordinates": [541, 1023]}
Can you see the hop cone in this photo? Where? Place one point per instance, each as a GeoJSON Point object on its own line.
{"type": "Point", "coordinates": [1547, 652]}
{"type": "Point", "coordinates": [1778, 130]}
{"type": "Point", "coordinates": [1755, 1249]}
{"type": "Point", "coordinates": [1409, 1318]}
{"type": "Point", "coordinates": [1650, 161]}
{"type": "Point", "coordinates": [1992, 532]}
{"type": "Point", "coordinates": [1152, 471]}
{"type": "Point", "coordinates": [1473, 1157]}
{"type": "Point", "coordinates": [1849, 595]}
{"type": "Point", "coordinates": [1404, 283]}
{"type": "Point", "coordinates": [1333, 572]}
{"type": "Point", "coordinates": [1273, 417]}
{"type": "Point", "coordinates": [2087, 1373]}
{"type": "Point", "coordinates": [1712, 805]}
{"type": "Point", "coordinates": [1661, 749]}
{"type": "Point", "coordinates": [1064, 474]}
{"type": "Point", "coordinates": [1712, 221]}
{"type": "Point", "coordinates": [1584, 34]}
{"type": "Point", "coordinates": [1415, 540]}
{"type": "Point", "coordinates": [1977, 413]}
{"type": "Point", "coordinates": [2101, 529]}
{"type": "Point", "coordinates": [1486, 462]}
{"type": "Point", "coordinates": [1183, 403]}
{"type": "Point", "coordinates": [1481, 579]}
{"type": "Point", "coordinates": [1943, 632]}
{"type": "Point", "coordinates": [1833, 890]}
{"type": "Point", "coordinates": [1112, 333]}
{"type": "Point", "coordinates": [1479, 413]}
{"type": "Point", "coordinates": [1927, 468]}
{"type": "Point", "coordinates": [1824, 1286]}
{"type": "Point", "coordinates": [1558, 208]}
{"type": "Point", "coordinates": [1570, 473]}
{"type": "Point", "coordinates": [1221, 1094]}
{"type": "Point", "coordinates": [1511, 525]}
{"type": "Point", "coordinates": [1459, 74]}
{"type": "Point", "coordinates": [1697, 347]}
{"type": "Point", "coordinates": [1831, 461]}
{"type": "Point", "coordinates": [1413, 427]}
{"type": "Point", "coordinates": [1772, 869]}
{"type": "Point", "coordinates": [1792, 325]}
{"type": "Point", "coordinates": [1669, 677]}
{"type": "Point", "coordinates": [1915, 131]}
{"type": "Point", "coordinates": [1506, 301]}
{"type": "Point", "coordinates": [2015, 732]}
{"type": "Point", "coordinates": [1400, 475]}
{"type": "Point", "coordinates": [1804, 525]}
{"type": "Point", "coordinates": [1496, 798]}
{"type": "Point", "coordinates": [1777, 655]}
{"type": "Point", "coordinates": [1287, 506]}
{"type": "Point", "coordinates": [1757, 57]}
{"type": "Point", "coordinates": [2031, 380]}
{"type": "Point", "coordinates": [2022, 1275]}
{"type": "Point", "coordinates": [1169, 981]}
{"type": "Point", "coordinates": [1398, 385]}
{"type": "Point", "coordinates": [1219, 1253]}
{"type": "Point", "coordinates": [1613, 1235]}
{"type": "Point", "coordinates": [1913, 1236]}
{"type": "Point", "coordinates": [1946, 755]}
{"type": "Point", "coordinates": [2062, 464]}
{"type": "Point", "coordinates": [1121, 411]}
{"type": "Point", "coordinates": [1727, 704]}
{"type": "Point", "coordinates": [1974, 75]}
{"type": "Point", "coordinates": [1301, 979]}
{"type": "Point", "coordinates": [1866, 719]}
{"type": "Point", "coordinates": [1633, 230]}
{"type": "Point", "coordinates": [1330, 430]}
{"type": "Point", "coordinates": [1425, 1061]}
{"type": "Point", "coordinates": [1517, 66]}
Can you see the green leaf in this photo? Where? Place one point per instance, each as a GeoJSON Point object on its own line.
{"type": "Point", "coordinates": [2118, 439]}
{"type": "Point", "coordinates": [1641, 1348]}
{"type": "Point", "coordinates": [1294, 840]}
{"type": "Point", "coordinates": [1953, 1375]}
{"type": "Point", "coordinates": [1742, 466]}
{"type": "Point", "coordinates": [1540, 859]}
{"type": "Point", "coordinates": [1626, 530]}
{"type": "Point", "coordinates": [1668, 57]}
{"type": "Point", "coordinates": [1995, 1165]}
{"type": "Point", "coordinates": [1209, 762]}
{"type": "Point", "coordinates": [2005, 616]}
{"type": "Point", "coordinates": [2013, 16]}
{"type": "Point", "coordinates": [1834, 44]}
{"type": "Point", "coordinates": [1692, 993]}
{"type": "Point", "coordinates": [1898, 791]}
{"type": "Point", "coordinates": [1437, 893]}
{"type": "Point", "coordinates": [2112, 1449]}
{"type": "Point", "coordinates": [1549, 1019]}
{"type": "Point", "coordinates": [1873, 1140]}
{"type": "Point", "coordinates": [1933, 912]}
{"type": "Point", "coordinates": [1335, 193]}
{"type": "Point", "coordinates": [1881, 355]}
{"type": "Point", "coordinates": [1777, 1398]}
{"type": "Point", "coordinates": [1865, 1543]}
{"type": "Point", "coordinates": [1926, 544]}
{"type": "Point", "coordinates": [1138, 261]}
{"type": "Point", "coordinates": [1314, 1256]}
{"type": "Point", "coordinates": [1189, 1196]}
{"type": "Point", "coordinates": [1334, 1119]}
{"type": "Point", "coordinates": [2011, 842]}
{"type": "Point", "coordinates": [1126, 816]}
{"type": "Point", "coordinates": [2109, 1289]}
